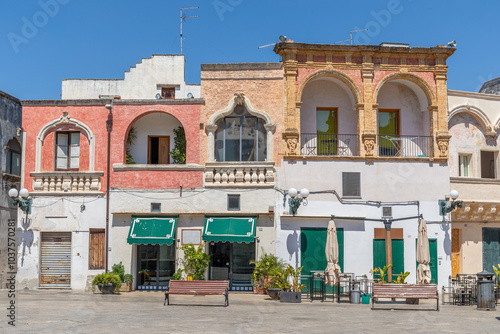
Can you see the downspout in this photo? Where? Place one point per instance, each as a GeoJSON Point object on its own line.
{"type": "Point", "coordinates": [109, 127]}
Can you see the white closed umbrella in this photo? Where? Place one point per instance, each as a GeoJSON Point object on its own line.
{"type": "Point", "coordinates": [332, 254]}
{"type": "Point", "coordinates": [423, 254]}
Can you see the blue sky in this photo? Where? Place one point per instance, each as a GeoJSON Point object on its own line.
{"type": "Point", "coordinates": [103, 38]}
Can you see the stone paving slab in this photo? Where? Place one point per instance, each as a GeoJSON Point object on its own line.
{"type": "Point", "coordinates": [54, 311]}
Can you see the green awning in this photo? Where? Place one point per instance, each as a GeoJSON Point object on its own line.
{"type": "Point", "coordinates": [229, 229]}
{"type": "Point", "coordinates": [152, 230]}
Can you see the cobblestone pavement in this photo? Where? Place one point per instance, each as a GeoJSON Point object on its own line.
{"type": "Point", "coordinates": [59, 311]}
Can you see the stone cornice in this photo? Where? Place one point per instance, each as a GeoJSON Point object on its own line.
{"type": "Point", "coordinates": [473, 95]}
{"type": "Point", "coordinates": [103, 102]}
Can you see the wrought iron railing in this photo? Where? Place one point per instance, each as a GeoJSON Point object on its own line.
{"type": "Point", "coordinates": [329, 144]}
{"type": "Point", "coordinates": [404, 146]}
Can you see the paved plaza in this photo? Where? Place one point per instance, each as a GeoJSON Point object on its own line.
{"type": "Point", "coordinates": [60, 311]}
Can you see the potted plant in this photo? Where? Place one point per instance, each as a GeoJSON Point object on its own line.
{"type": "Point", "coordinates": [290, 286]}
{"type": "Point", "coordinates": [381, 272]}
{"type": "Point", "coordinates": [267, 267]}
{"type": "Point", "coordinates": [195, 262]}
{"type": "Point", "coordinates": [126, 279]}
{"type": "Point", "coordinates": [107, 283]}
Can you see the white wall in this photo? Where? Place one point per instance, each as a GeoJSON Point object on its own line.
{"type": "Point", "coordinates": [142, 81]}
{"type": "Point", "coordinates": [155, 124]}
{"type": "Point", "coordinates": [59, 214]}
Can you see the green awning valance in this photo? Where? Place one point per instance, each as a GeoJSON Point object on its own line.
{"type": "Point", "coordinates": [229, 229]}
{"type": "Point", "coordinates": [152, 230]}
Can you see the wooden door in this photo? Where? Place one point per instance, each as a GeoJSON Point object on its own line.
{"type": "Point", "coordinates": [455, 252]}
{"type": "Point", "coordinates": [163, 150]}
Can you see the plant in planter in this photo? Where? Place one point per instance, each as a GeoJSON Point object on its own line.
{"type": "Point", "coordinates": [401, 278]}
{"type": "Point", "coordinates": [266, 268]}
{"type": "Point", "coordinates": [126, 279]}
{"type": "Point", "coordinates": [290, 286]}
{"type": "Point", "coordinates": [195, 261]}
{"type": "Point", "coordinates": [381, 272]}
{"type": "Point", "coordinates": [107, 282]}
{"type": "Point", "coordinates": [178, 154]}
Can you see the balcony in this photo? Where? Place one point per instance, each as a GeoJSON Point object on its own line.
{"type": "Point", "coordinates": [240, 174]}
{"type": "Point", "coordinates": [74, 183]}
{"type": "Point", "coordinates": [329, 144]}
{"type": "Point", "coordinates": [404, 146]}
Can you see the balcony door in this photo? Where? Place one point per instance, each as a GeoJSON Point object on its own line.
{"type": "Point", "coordinates": [388, 131]}
{"type": "Point", "coordinates": [158, 149]}
{"type": "Point", "coordinates": [326, 130]}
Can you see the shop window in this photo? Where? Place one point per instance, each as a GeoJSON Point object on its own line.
{"type": "Point", "coordinates": [96, 248]}
{"type": "Point", "coordinates": [464, 161]}
{"type": "Point", "coordinates": [240, 137]}
{"type": "Point", "coordinates": [168, 92]}
{"type": "Point", "coordinates": [155, 266]}
{"type": "Point", "coordinates": [351, 184]}
{"type": "Point", "coordinates": [488, 168]}
{"type": "Point", "coordinates": [67, 150]}
{"type": "Point", "coordinates": [233, 202]}
{"type": "Point", "coordinates": [13, 156]}
{"type": "Point", "coordinates": [158, 149]}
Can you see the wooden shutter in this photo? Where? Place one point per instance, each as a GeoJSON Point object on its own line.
{"type": "Point", "coordinates": [96, 248]}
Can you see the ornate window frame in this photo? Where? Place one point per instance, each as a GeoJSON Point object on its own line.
{"type": "Point", "coordinates": [239, 99]}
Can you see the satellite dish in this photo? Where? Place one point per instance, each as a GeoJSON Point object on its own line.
{"type": "Point", "coordinates": [190, 96]}
{"type": "Point", "coordinates": [282, 38]}
{"type": "Point", "coordinates": [158, 96]}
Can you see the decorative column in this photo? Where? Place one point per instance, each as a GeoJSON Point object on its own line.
{"type": "Point", "coordinates": [291, 135]}
{"type": "Point", "coordinates": [210, 129]}
{"type": "Point", "coordinates": [440, 121]}
{"type": "Point", "coordinates": [367, 112]}
{"type": "Point", "coordinates": [270, 128]}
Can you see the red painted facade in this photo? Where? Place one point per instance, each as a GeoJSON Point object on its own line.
{"type": "Point", "coordinates": [36, 117]}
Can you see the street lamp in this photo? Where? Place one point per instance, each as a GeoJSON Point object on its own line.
{"type": "Point", "coordinates": [448, 206]}
{"type": "Point", "coordinates": [294, 201]}
{"type": "Point", "coordinates": [24, 202]}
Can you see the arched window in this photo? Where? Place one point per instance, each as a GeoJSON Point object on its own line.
{"type": "Point", "coordinates": [240, 136]}
{"type": "Point", "coordinates": [13, 162]}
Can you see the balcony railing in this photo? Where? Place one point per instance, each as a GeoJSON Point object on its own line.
{"type": "Point", "coordinates": [240, 174]}
{"type": "Point", "coordinates": [329, 144]}
{"type": "Point", "coordinates": [66, 182]}
{"type": "Point", "coordinates": [404, 146]}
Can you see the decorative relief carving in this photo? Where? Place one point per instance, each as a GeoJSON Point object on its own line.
{"type": "Point", "coordinates": [239, 98]}
{"type": "Point", "coordinates": [443, 148]}
{"type": "Point", "coordinates": [369, 141]}
{"type": "Point", "coordinates": [64, 118]}
{"type": "Point", "coordinates": [479, 212]}
{"type": "Point", "coordinates": [291, 144]}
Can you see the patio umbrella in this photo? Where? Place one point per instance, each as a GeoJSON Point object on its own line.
{"type": "Point", "coordinates": [423, 254]}
{"type": "Point", "coordinates": [332, 254]}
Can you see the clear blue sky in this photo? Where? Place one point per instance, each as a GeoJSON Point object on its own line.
{"type": "Point", "coordinates": [103, 38]}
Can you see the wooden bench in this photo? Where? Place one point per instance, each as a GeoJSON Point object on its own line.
{"type": "Point", "coordinates": [197, 288]}
{"type": "Point", "coordinates": [413, 291]}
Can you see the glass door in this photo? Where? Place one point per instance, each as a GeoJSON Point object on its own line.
{"type": "Point", "coordinates": [155, 267]}
{"type": "Point", "coordinates": [388, 131]}
{"type": "Point", "coordinates": [232, 262]}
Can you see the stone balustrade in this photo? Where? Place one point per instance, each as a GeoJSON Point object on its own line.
{"type": "Point", "coordinates": [66, 182]}
{"type": "Point", "coordinates": [240, 174]}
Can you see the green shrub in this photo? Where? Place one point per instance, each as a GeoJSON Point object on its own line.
{"type": "Point", "coordinates": [268, 266]}
{"type": "Point", "coordinates": [195, 260]}
{"type": "Point", "coordinates": [107, 278]}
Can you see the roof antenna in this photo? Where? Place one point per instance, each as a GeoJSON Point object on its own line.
{"type": "Point", "coordinates": [282, 39]}
{"type": "Point", "coordinates": [350, 39]}
{"type": "Point", "coordinates": [186, 17]}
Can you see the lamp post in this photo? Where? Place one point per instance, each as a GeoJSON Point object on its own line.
{"type": "Point", "coordinates": [448, 206]}
{"type": "Point", "coordinates": [23, 202]}
{"type": "Point", "coordinates": [296, 199]}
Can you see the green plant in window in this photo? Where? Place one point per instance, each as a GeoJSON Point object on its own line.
{"type": "Point", "coordinates": [195, 261]}
{"type": "Point", "coordinates": [178, 154]}
{"type": "Point", "coordinates": [382, 272]}
{"type": "Point", "coordinates": [131, 138]}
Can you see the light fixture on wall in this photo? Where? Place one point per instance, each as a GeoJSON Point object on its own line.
{"type": "Point", "coordinates": [297, 199]}
{"type": "Point", "coordinates": [24, 202]}
{"type": "Point", "coordinates": [450, 203]}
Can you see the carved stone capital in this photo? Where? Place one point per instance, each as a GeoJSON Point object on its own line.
{"type": "Point", "coordinates": [369, 141]}
{"type": "Point", "coordinates": [270, 127]}
{"type": "Point", "coordinates": [292, 142]}
{"type": "Point", "coordinates": [210, 128]}
{"type": "Point", "coordinates": [443, 142]}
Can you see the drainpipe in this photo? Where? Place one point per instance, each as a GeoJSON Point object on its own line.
{"type": "Point", "coordinates": [109, 127]}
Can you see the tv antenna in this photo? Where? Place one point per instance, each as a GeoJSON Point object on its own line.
{"type": "Point", "coordinates": [350, 33]}
{"type": "Point", "coordinates": [186, 17]}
